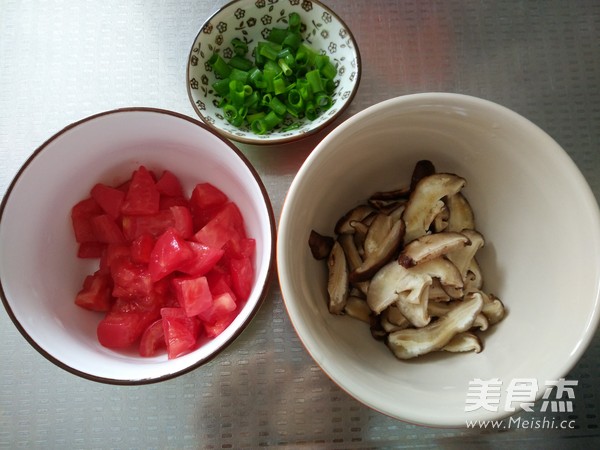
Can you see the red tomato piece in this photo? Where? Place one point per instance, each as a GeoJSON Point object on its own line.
{"type": "Point", "coordinates": [90, 250]}
{"type": "Point", "coordinates": [242, 277]}
{"type": "Point", "coordinates": [219, 282]}
{"type": "Point", "coordinates": [181, 332]}
{"type": "Point", "coordinates": [204, 259]}
{"type": "Point", "coordinates": [205, 195]}
{"type": "Point", "coordinates": [193, 294]}
{"type": "Point", "coordinates": [122, 329]}
{"type": "Point", "coordinates": [106, 230]}
{"type": "Point", "coordinates": [111, 253]}
{"type": "Point", "coordinates": [130, 279]}
{"type": "Point", "coordinates": [169, 252]}
{"type": "Point", "coordinates": [141, 248]}
{"type": "Point", "coordinates": [167, 202]}
{"type": "Point", "coordinates": [220, 315]}
{"type": "Point", "coordinates": [182, 221]}
{"type": "Point", "coordinates": [205, 202]}
{"type": "Point", "coordinates": [81, 215]}
{"type": "Point", "coordinates": [110, 199]}
{"type": "Point", "coordinates": [239, 248]}
{"type": "Point", "coordinates": [153, 339]}
{"type": "Point", "coordinates": [227, 225]}
{"type": "Point", "coordinates": [231, 217]}
{"type": "Point", "coordinates": [142, 197]}
{"type": "Point", "coordinates": [154, 224]}
{"type": "Point", "coordinates": [96, 293]}
{"type": "Point", "coordinates": [169, 185]}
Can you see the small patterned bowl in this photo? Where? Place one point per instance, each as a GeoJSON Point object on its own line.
{"type": "Point", "coordinates": [251, 21]}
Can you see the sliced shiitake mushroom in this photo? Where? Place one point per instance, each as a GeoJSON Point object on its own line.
{"type": "Point", "coordinates": [354, 260]}
{"type": "Point", "coordinates": [337, 284]}
{"type": "Point", "coordinates": [320, 246]}
{"type": "Point", "coordinates": [493, 308]}
{"type": "Point", "coordinates": [408, 289]}
{"type": "Point", "coordinates": [460, 214]}
{"type": "Point", "coordinates": [464, 342]}
{"type": "Point", "coordinates": [413, 342]}
{"type": "Point", "coordinates": [462, 256]}
{"type": "Point", "coordinates": [381, 244]}
{"type": "Point", "coordinates": [425, 202]}
{"type": "Point", "coordinates": [431, 246]}
{"type": "Point", "coordinates": [357, 308]}
{"type": "Point", "coordinates": [423, 168]}
{"type": "Point", "coordinates": [358, 213]}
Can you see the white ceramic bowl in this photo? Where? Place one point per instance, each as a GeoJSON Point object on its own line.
{"type": "Point", "coordinates": [251, 20]}
{"type": "Point", "coordinates": [39, 271]}
{"type": "Point", "coordinates": [542, 230]}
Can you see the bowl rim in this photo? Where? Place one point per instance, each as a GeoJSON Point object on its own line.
{"type": "Point", "coordinates": [282, 140]}
{"type": "Point", "coordinates": [264, 289]}
{"type": "Point", "coordinates": [308, 340]}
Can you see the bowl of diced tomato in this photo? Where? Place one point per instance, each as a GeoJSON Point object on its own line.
{"type": "Point", "coordinates": [136, 245]}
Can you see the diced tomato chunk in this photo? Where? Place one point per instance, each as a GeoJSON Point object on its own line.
{"type": "Point", "coordinates": [110, 199]}
{"type": "Point", "coordinates": [153, 339]}
{"type": "Point", "coordinates": [130, 279]}
{"type": "Point", "coordinates": [206, 195]}
{"type": "Point", "coordinates": [112, 252]}
{"type": "Point", "coordinates": [142, 197]}
{"type": "Point", "coordinates": [193, 294]}
{"type": "Point", "coordinates": [106, 230]}
{"type": "Point", "coordinates": [90, 250]}
{"type": "Point", "coordinates": [168, 184]}
{"type": "Point", "coordinates": [167, 202]}
{"type": "Point", "coordinates": [81, 218]}
{"type": "Point", "coordinates": [225, 226]}
{"type": "Point", "coordinates": [203, 261]}
{"type": "Point", "coordinates": [180, 331]}
{"type": "Point", "coordinates": [141, 248]}
{"type": "Point", "coordinates": [169, 252]}
{"type": "Point", "coordinates": [242, 277]}
{"type": "Point", "coordinates": [219, 282]}
{"type": "Point", "coordinates": [231, 217]}
{"type": "Point", "coordinates": [205, 202]}
{"type": "Point", "coordinates": [96, 293]}
{"type": "Point", "coordinates": [122, 329]}
{"type": "Point", "coordinates": [182, 221]}
{"type": "Point", "coordinates": [219, 315]}
{"type": "Point", "coordinates": [154, 224]}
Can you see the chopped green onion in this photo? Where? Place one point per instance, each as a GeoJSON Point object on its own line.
{"type": "Point", "coordinates": [221, 87]}
{"type": "Point", "coordinates": [277, 106]}
{"type": "Point", "coordinates": [240, 48]}
{"type": "Point", "coordinates": [219, 65]}
{"type": "Point", "coordinates": [277, 35]}
{"type": "Point", "coordinates": [268, 51]}
{"type": "Point", "coordinates": [314, 80]}
{"type": "Point", "coordinates": [241, 63]}
{"type": "Point", "coordinates": [323, 101]}
{"type": "Point", "coordinates": [283, 78]}
{"type": "Point", "coordinates": [294, 22]}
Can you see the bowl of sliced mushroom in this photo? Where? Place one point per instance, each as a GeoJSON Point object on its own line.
{"type": "Point", "coordinates": [435, 241]}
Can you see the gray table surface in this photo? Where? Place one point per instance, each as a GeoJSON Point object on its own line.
{"type": "Point", "coordinates": [63, 60]}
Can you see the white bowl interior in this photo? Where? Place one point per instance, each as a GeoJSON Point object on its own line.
{"type": "Point", "coordinates": [40, 271]}
{"type": "Point", "coordinates": [250, 21]}
{"type": "Point", "coordinates": [542, 231]}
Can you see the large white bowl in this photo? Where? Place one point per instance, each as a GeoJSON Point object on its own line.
{"type": "Point", "coordinates": [542, 230]}
{"type": "Point", "coordinates": [39, 271]}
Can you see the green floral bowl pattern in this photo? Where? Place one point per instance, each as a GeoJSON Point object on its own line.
{"type": "Point", "coordinates": [251, 21]}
